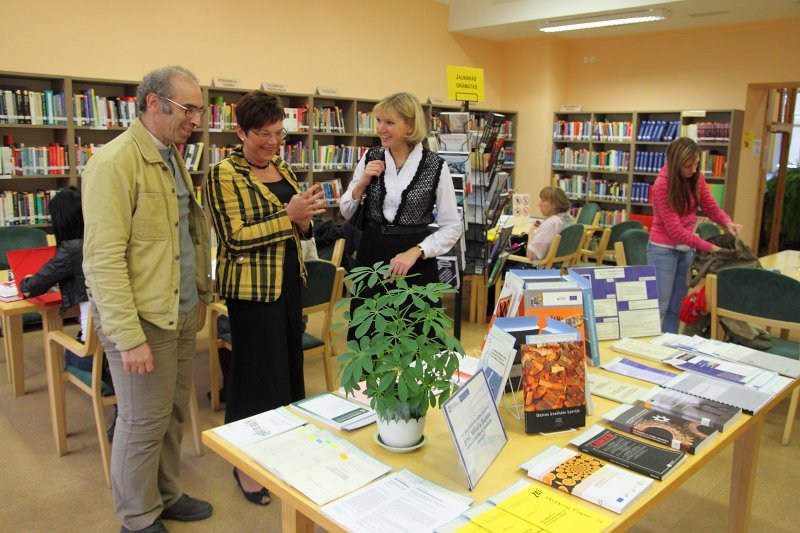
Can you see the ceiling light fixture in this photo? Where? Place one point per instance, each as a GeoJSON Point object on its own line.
{"type": "Point", "coordinates": [600, 21]}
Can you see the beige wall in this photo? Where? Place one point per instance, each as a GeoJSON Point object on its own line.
{"type": "Point", "coordinates": [364, 48]}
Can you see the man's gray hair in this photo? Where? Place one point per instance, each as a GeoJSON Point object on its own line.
{"type": "Point", "coordinates": [159, 82]}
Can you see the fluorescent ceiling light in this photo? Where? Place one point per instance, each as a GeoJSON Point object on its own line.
{"type": "Point", "coordinates": [600, 21]}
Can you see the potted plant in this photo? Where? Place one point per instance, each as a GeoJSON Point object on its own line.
{"type": "Point", "coordinates": [404, 354]}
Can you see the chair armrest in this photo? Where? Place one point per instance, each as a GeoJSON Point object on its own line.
{"type": "Point", "coordinates": [522, 259]}
{"type": "Point", "coordinates": [70, 343]}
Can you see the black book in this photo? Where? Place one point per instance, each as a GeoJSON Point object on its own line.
{"type": "Point", "coordinates": [622, 450]}
{"type": "Point", "coordinates": [661, 427]}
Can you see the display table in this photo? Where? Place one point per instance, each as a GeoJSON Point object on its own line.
{"type": "Point", "coordinates": [438, 462]}
{"type": "Point", "coordinates": [787, 262]}
{"type": "Point", "coordinates": [11, 315]}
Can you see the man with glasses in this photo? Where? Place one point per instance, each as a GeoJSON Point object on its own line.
{"type": "Point", "coordinates": [147, 265]}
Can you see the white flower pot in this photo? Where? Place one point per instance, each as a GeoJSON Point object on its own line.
{"type": "Point", "coordinates": [401, 433]}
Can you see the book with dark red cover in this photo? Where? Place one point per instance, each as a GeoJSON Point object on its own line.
{"type": "Point", "coordinates": [28, 262]}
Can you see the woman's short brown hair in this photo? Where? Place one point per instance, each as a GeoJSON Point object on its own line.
{"type": "Point", "coordinates": [257, 109]}
{"type": "Point", "coordinates": [555, 196]}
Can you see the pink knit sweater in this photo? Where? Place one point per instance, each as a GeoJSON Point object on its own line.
{"type": "Point", "coordinates": [671, 228]}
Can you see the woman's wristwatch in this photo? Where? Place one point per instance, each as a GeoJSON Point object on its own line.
{"type": "Point", "coordinates": [421, 252]}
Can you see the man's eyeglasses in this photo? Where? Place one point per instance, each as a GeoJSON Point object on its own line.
{"type": "Point", "coordinates": [190, 111]}
{"type": "Point", "coordinates": [279, 135]}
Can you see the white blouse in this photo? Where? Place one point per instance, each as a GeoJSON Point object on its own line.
{"type": "Point", "coordinates": [443, 239]}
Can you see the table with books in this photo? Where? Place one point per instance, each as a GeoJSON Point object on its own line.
{"type": "Point", "coordinates": [11, 315]}
{"type": "Point", "coordinates": [438, 462]}
{"type": "Point", "coordinates": [786, 262]}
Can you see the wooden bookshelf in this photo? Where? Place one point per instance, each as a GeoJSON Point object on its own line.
{"type": "Point", "coordinates": [341, 139]}
{"type": "Point", "coordinates": [616, 170]}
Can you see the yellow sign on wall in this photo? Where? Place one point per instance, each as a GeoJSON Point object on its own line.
{"type": "Point", "coordinates": [465, 84]}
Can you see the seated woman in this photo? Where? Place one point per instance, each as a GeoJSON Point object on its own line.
{"type": "Point", "coordinates": [554, 205]}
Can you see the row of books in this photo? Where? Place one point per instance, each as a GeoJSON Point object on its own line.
{"type": "Point", "coordinates": [609, 218]}
{"type": "Point", "coordinates": [296, 154]}
{"type": "Point", "coordinates": [221, 115]}
{"type": "Point", "coordinates": [24, 106]}
{"type": "Point", "coordinates": [475, 125]}
{"type": "Point", "coordinates": [328, 119]}
{"type": "Point", "coordinates": [506, 156]}
{"type": "Point", "coordinates": [18, 208]}
{"type": "Point", "coordinates": [84, 152]}
{"type": "Point", "coordinates": [21, 160]}
{"type": "Point", "coordinates": [607, 190]}
{"type": "Point", "coordinates": [612, 160]}
{"type": "Point", "coordinates": [574, 186]}
{"type": "Point", "coordinates": [571, 158]}
{"type": "Point", "coordinates": [191, 153]}
{"type": "Point", "coordinates": [649, 161]}
{"type": "Point", "coordinates": [713, 163]}
{"type": "Point", "coordinates": [612, 131]}
{"type": "Point", "coordinates": [331, 189]}
{"type": "Point", "coordinates": [96, 111]}
{"type": "Point", "coordinates": [365, 123]}
{"type": "Point", "coordinates": [641, 192]}
{"type": "Point", "coordinates": [718, 192]}
{"type": "Point", "coordinates": [707, 132]}
{"type": "Point", "coordinates": [296, 119]}
{"type": "Point", "coordinates": [658, 130]}
{"type": "Point", "coordinates": [218, 153]}
{"type": "Point", "coordinates": [335, 157]}
{"type": "Point", "coordinates": [564, 130]}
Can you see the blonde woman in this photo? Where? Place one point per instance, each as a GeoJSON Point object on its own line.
{"type": "Point", "coordinates": [554, 205]}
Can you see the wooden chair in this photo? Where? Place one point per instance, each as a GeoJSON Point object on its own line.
{"type": "Point", "coordinates": [706, 230]}
{"type": "Point", "coordinates": [589, 215]}
{"type": "Point", "coordinates": [564, 251]}
{"type": "Point", "coordinates": [763, 298]}
{"type": "Point", "coordinates": [631, 248]}
{"type": "Point", "coordinates": [92, 384]}
{"type": "Point", "coordinates": [323, 290]}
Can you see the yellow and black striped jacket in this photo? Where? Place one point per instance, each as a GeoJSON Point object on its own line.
{"type": "Point", "coordinates": [252, 229]}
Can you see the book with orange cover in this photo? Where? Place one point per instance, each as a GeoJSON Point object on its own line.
{"type": "Point", "coordinates": [28, 262]}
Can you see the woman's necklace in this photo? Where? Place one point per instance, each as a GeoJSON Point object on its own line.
{"type": "Point", "coordinates": [259, 167]}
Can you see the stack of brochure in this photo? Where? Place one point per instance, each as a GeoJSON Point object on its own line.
{"type": "Point", "coordinates": [335, 411]}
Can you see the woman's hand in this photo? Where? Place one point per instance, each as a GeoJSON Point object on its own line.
{"type": "Point", "coordinates": [715, 248]}
{"type": "Point", "coordinates": [402, 263]}
{"type": "Point", "coordinates": [373, 169]}
{"type": "Point", "coordinates": [733, 229]}
{"type": "Point", "coordinates": [302, 207]}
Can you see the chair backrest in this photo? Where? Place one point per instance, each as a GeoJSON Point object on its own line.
{"type": "Point", "coordinates": [338, 252]}
{"type": "Point", "coordinates": [19, 238]}
{"type": "Point", "coordinates": [753, 292]}
{"type": "Point", "coordinates": [631, 247]}
{"type": "Point", "coordinates": [321, 275]}
{"type": "Point", "coordinates": [589, 215]}
{"type": "Point", "coordinates": [569, 246]}
{"type": "Point", "coordinates": [618, 229]}
{"type": "Point", "coordinates": [705, 230]}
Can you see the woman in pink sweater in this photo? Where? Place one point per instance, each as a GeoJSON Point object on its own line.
{"type": "Point", "coordinates": [679, 191]}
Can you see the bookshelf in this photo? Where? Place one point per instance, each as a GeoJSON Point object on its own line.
{"type": "Point", "coordinates": [327, 135]}
{"type": "Point", "coordinates": [613, 158]}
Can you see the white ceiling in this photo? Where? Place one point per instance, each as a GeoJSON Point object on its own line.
{"type": "Point", "coordinates": [505, 20]}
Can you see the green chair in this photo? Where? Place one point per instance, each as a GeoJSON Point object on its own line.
{"type": "Point", "coordinates": [705, 230]}
{"type": "Point", "coordinates": [763, 298]}
{"type": "Point", "coordinates": [604, 251]}
{"type": "Point", "coordinates": [19, 238]}
{"type": "Point", "coordinates": [631, 248]}
{"type": "Point", "coordinates": [589, 214]}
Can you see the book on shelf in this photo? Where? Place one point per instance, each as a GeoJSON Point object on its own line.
{"type": "Point", "coordinates": [707, 412]}
{"type": "Point", "coordinates": [664, 428]}
{"type": "Point", "coordinates": [587, 477]}
{"type": "Point", "coordinates": [553, 378]}
{"type": "Point", "coordinates": [647, 459]}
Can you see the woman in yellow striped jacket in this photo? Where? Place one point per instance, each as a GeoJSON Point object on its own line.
{"type": "Point", "coordinates": [260, 215]}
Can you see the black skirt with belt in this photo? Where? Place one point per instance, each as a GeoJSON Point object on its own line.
{"type": "Point", "coordinates": [377, 246]}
